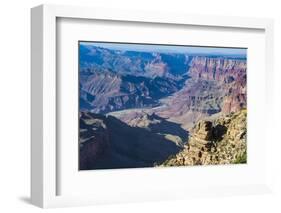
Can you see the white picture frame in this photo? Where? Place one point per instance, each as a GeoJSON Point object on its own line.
{"type": "Point", "coordinates": [44, 169]}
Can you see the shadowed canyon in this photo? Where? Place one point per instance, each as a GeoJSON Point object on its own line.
{"type": "Point", "coordinates": [160, 108]}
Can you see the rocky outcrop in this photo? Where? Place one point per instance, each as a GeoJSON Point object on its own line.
{"type": "Point", "coordinates": [220, 141]}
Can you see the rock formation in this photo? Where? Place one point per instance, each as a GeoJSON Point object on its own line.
{"type": "Point", "coordinates": [106, 91]}
{"type": "Point", "coordinates": [220, 141]}
{"type": "Point", "coordinates": [215, 85]}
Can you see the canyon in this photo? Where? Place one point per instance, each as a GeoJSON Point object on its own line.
{"type": "Point", "coordinates": [139, 109]}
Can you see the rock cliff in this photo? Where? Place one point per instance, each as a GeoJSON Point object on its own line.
{"type": "Point", "coordinates": [219, 141]}
{"type": "Point", "coordinates": [215, 85]}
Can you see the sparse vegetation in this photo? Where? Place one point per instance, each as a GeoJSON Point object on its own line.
{"type": "Point", "coordinates": [229, 149]}
{"type": "Point", "coordinates": [241, 159]}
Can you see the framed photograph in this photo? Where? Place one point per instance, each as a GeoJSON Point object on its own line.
{"type": "Point", "coordinates": [129, 106]}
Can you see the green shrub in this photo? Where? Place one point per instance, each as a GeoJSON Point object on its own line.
{"type": "Point", "coordinates": [241, 159]}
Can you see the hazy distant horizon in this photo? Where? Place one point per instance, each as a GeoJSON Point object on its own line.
{"type": "Point", "coordinates": [163, 48]}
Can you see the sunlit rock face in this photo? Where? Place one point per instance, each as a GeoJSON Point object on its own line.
{"type": "Point", "coordinates": [220, 141]}
{"type": "Point", "coordinates": [216, 85]}
{"type": "Point", "coordinates": [230, 81]}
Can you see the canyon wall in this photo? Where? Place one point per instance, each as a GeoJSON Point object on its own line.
{"type": "Point", "coordinates": [215, 85]}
